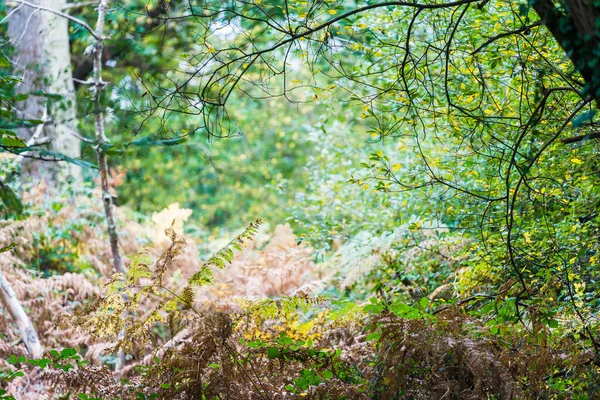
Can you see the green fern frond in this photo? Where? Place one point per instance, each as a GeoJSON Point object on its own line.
{"type": "Point", "coordinates": [225, 255]}
{"type": "Point", "coordinates": [139, 268]}
{"type": "Point", "coordinates": [202, 277]}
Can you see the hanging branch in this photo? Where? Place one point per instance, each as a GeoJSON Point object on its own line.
{"type": "Point", "coordinates": [102, 141]}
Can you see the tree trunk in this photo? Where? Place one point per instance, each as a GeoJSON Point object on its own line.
{"type": "Point", "coordinates": [584, 14]}
{"type": "Point", "coordinates": [102, 140]}
{"type": "Point", "coordinates": [28, 332]}
{"type": "Point", "coordinates": [575, 30]}
{"type": "Point", "coordinates": [42, 59]}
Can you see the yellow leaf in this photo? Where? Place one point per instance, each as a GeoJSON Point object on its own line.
{"type": "Point", "coordinates": [396, 167]}
{"type": "Point", "coordinates": [573, 260]}
{"type": "Point", "coordinates": [576, 160]}
{"type": "Point", "coordinates": [332, 12]}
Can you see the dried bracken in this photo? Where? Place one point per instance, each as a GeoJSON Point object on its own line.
{"type": "Point", "coordinates": [262, 330]}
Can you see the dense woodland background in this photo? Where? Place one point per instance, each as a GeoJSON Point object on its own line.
{"type": "Point", "coordinates": [324, 199]}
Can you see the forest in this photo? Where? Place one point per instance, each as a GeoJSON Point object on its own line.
{"type": "Point", "coordinates": [299, 199]}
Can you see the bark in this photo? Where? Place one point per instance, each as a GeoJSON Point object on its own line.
{"type": "Point", "coordinates": [42, 59]}
{"type": "Point", "coordinates": [102, 140]}
{"type": "Point", "coordinates": [101, 143]}
{"type": "Point", "coordinates": [28, 332]}
{"type": "Point", "coordinates": [576, 33]}
{"type": "Point", "coordinates": [584, 15]}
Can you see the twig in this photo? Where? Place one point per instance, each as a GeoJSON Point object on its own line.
{"type": "Point", "coordinates": [79, 5]}
{"type": "Point", "coordinates": [505, 34]}
{"type": "Point", "coordinates": [11, 13]}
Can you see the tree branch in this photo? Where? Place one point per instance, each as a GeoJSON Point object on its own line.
{"type": "Point", "coordinates": [80, 5]}
{"type": "Point", "coordinates": [491, 40]}
{"type": "Point", "coordinates": [581, 138]}
{"type": "Point", "coordinates": [60, 14]}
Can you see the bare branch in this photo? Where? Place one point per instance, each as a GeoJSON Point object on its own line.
{"type": "Point", "coordinates": [59, 13]}
{"type": "Point", "coordinates": [505, 34]}
{"type": "Point", "coordinates": [581, 138]}
{"type": "Point", "coordinates": [80, 5]}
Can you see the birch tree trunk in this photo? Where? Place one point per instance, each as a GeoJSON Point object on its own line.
{"type": "Point", "coordinates": [43, 60]}
{"type": "Point", "coordinates": [28, 333]}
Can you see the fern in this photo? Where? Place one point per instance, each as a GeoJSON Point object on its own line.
{"type": "Point", "coordinates": [225, 255]}
{"type": "Point", "coordinates": [142, 288]}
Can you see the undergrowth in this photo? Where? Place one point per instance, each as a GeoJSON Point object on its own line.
{"type": "Point", "coordinates": [258, 320]}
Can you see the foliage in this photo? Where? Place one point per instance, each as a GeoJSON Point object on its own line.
{"type": "Point", "coordinates": [437, 160]}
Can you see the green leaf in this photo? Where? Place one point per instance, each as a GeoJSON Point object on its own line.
{"type": "Point", "coordinates": [375, 307]}
{"type": "Point", "coordinates": [4, 62]}
{"type": "Point", "coordinates": [272, 352]}
{"type": "Point", "coordinates": [29, 123]}
{"type": "Point", "coordinates": [67, 367]}
{"type": "Point", "coordinates": [69, 352]}
{"type": "Point", "coordinates": [301, 383]}
{"type": "Point", "coordinates": [327, 374]}
{"type": "Point", "coordinates": [148, 142]}
{"type": "Point", "coordinates": [20, 97]}
{"type": "Point", "coordinates": [5, 249]}
{"type": "Point", "coordinates": [10, 199]}
{"type": "Point", "coordinates": [13, 141]}
{"type": "Point", "coordinates": [373, 336]}
{"type": "Point", "coordinates": [42, 362]}
{"type": "Point", "coordinates": [63, 157]}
